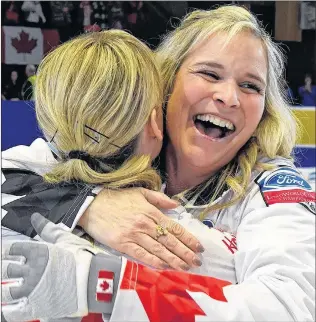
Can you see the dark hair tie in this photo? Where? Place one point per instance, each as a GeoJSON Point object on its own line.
{"type": "Point", "coordinates": [106, 164]}
{"type": "Point", "coordinates": [80, 155]}
{"type": "Point", "coordinates": [91, 161]}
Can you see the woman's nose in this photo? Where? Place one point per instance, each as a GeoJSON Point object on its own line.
{"type": "Point", "coordinates": [227, 95]}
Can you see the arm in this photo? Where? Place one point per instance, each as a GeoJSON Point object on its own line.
{"type": "Point", "coordinates": [103, 214]}
{"type": "Point", "coordinates": [275, 272]}
{"type": "Point", "coordinates": [84, 278]}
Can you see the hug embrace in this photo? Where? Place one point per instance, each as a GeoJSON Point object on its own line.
{"type": "Point", "coordinates": [165, 189]}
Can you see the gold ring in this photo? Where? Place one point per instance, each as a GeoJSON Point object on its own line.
{"type": "Point", "coordinates": [161, 231]}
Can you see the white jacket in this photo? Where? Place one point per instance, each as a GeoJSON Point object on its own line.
{"type": "Point", "coordinates": [274, 256]}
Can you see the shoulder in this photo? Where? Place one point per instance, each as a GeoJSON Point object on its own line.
{"type": "Point", "coordinates": [37, 157]}
{"type": "Point", "coordinates": [284, 185]}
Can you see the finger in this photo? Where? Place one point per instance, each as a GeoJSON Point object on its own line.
{"type": "Point", "coordinates": [14, 259]}
{"type": "Point", "coordinates": [37, 258]}
{"type": "Point", "coordinates": [184, 236]}
{"type": "Point", "coordinates": [172, 243]}
{"type": "Point", "coordinates": [6, 285]}
{"type": "Point", "coordinates": [158, 199]}
{"type": "Point", "coordinates": [13, 271]}
{"type": "Point", "coordinates": [175, 246]}
{"type": "Point", "coordinates": [160, 251]}
{"type": "Point", "coordinates": [142, 255]}
{"type": "Point", "coordinates": [5, 272]}
{"type": "Point", "coordinates": [6, 247]}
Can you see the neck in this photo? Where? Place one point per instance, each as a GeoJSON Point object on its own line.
{"type": "Point", "coordinates": [180, 175]}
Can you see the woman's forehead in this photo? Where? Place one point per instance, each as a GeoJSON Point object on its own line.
{"type": "Point", "coordinates": [243, 48]}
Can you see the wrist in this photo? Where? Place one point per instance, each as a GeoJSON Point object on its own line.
{"type": "Point", "coordinates": [84, 219]}
{"type": "Point", "coordinates": [82, 222]}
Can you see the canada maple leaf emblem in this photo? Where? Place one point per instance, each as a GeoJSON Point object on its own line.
{"type": "Point", "coordinates": [24, 44]}
{"type": "Point", "coordinates": [164, 294]}
{"type": "Point", "coordinates": [105, 285]}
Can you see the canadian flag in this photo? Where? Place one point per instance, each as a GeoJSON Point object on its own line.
{"type": "Point", "coordinates": [105, 286]}
{"type": "Point", "coordinates": [25, 45]}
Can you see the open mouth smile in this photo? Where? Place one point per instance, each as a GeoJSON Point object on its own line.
{"type": "Point", "coordinates": [213, 126]}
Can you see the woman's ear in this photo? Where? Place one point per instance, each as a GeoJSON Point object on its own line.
{"type": "Point", "coordinates": [155, 128]}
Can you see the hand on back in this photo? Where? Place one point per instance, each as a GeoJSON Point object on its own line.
{"type": "Point", "coordinates": [126, 220]}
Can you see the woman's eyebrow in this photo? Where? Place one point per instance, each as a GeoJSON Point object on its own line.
{"type": "Point", "coordinates": [210, 64]}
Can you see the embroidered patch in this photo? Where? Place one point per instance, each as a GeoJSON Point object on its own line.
{"type": "Point", "coordinates": [285, 185]}
{"type": "Point", "coordinates": [104, 291]}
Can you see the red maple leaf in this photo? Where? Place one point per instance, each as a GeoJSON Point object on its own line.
{"type": "Point", "coordinates": [164, 293]}
{"type": "Point", "coordinates": [24, 44]}
{"type": "Point", "coordinates": [105, 285]}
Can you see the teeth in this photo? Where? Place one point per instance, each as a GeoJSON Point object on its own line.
{"type": "Point", "coordinates": [216, 120]}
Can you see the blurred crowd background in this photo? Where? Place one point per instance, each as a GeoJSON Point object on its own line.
{"type": "Point", "coordinates": [30, 29]}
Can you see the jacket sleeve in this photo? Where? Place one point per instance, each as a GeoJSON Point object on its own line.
{"type": "Point", "coordinates": [24, 191]}
{"type": "Point", "coordinates": [275, 270]}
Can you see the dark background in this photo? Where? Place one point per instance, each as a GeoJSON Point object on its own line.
{"type": "Point", "coordinates": [155, 17]}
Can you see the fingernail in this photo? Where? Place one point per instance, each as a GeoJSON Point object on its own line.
{"type": "Point", "coordinates": [185, 267]}
{"type": "Point", "coordinates": [196, 261]}
{"type": "Point", "coordinates": [200, 248]}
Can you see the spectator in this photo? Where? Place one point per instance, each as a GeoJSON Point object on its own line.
{"type": "Point", "coordinates": [308, 92]}
{"type": "Point", "coordinates": [12, 91]}
{"type": "Point", "coordinates": [62, 17]}
{"type": "Point", "coordinates": [134, 9]}
{"type": "Point", "coordinates": [137, 19]}
{"type": "Point", "coordinates": [61, 13]}
{"type": "Point", "coordinates": [29, 85]}
{"type": "Point", "coordinates": [117, 15]}
{"type": "Point", "coordinates": [11, 9]}
{"type": "Point", "coordinates": [101, 15]}
{"type": "Point", "coordinates": [85, 14]}
{"type": "Point", "coordinates": [33, 11]}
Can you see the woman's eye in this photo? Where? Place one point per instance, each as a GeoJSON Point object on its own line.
{"type": "Point", "coordinates": [209, 74]}
{"type": "Point", "coordinates": [251, 86]}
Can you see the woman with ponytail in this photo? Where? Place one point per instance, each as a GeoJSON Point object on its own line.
{"type": "Point", "coordinates": [93, 100]}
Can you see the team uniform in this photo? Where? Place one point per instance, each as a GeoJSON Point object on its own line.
{"type": "Point", "coordinates": [270, 234]}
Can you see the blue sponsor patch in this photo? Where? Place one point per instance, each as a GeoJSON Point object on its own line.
{"type": "Point", "coordinates": [284, 178]}
{"type": "Point", "coordinates": [286, 185]}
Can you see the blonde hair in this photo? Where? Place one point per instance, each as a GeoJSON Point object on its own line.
{"type": "Point", "coordinates": [276, 133]}
{"type": "Point", "coordinates": [100, 86]}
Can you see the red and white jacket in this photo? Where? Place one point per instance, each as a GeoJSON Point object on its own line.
{"type": "Point", "coordinates": [270, 234]}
